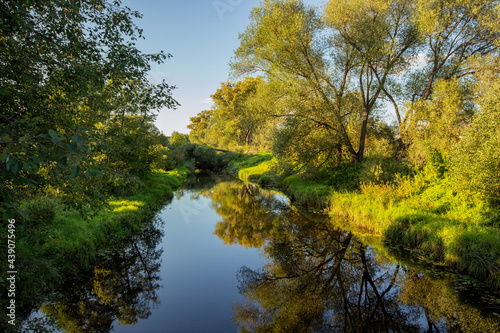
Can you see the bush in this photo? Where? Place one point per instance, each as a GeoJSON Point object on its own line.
{"type": "Point", "coordinates": [206, 158]}
{"type": "Point", "coordinates": [375, 170]}
{"type": "Point", "coordinates": [122, 184]}
{"type": "Point", "coordinates": [42, 209]}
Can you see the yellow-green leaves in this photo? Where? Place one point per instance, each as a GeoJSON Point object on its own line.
{"type": "Point", "coordinates": [437, 124]}
{"type": "Point", "coordinates": [454, 16]}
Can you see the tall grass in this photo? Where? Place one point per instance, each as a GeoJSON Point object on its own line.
{"type": "Point", "coordinates": [419, 215]}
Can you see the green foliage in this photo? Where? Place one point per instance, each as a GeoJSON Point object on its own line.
{"type": "Point", "coordinates": [382, 170]}
{"type": "Point", "coordinates": [41, 210]}
{"type": "Point", "coordinates": [308, 194]}
{"type": "Point", "coordinates": [475, 162]}
{"type": "Point", "coordinates": [418, 213]}
{"type": "Point", "coordinates": [55, 91]}
{"type": "Point", "coordinates": [130, 145]}
{"type": "Point", "coordinates": [193, 156]}
{"type": "Point", "coordinates": [436, 125]}
{"type": "Point", "coordinates": [418, 234]}
{"type": "Point", "coordinates": [178, 139]}
{"type": "Point", "coordinates": [477, 252]}
{"type": "Point", "coordinates": [237, 118]}
{"type": "Point", "coordinates": [58, 241]}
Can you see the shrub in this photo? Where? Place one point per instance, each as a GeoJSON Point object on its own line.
{"type": "Point", "coordinates": [477, 253]}
{"type": "Point", "coordinates": [42, 209]}
{"type": "Point", "coordinates": [206, 158]}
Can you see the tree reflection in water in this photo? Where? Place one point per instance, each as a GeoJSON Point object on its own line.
{"type": "Point", "coordinates": [122, 288]}
{"type": "Point", "coordinates": [322, 279]}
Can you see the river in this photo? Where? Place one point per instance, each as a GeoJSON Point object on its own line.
{"type": "Point", "coordinates": [224, 256]}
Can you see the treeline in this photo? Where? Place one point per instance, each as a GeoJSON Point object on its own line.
{"type": "Point", "coordinates": [181, 152]}
{"type": "Point", "coordinates": [379, 90]}
{"type": "Point", "coordinates": [76, 107]}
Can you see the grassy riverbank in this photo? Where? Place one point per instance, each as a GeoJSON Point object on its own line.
{"type": "Point", "coordinates": [68, 242]}
{"type": "Point", "coordinates": [418, 215]}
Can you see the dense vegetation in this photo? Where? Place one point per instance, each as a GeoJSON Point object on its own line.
{"type": "Point", "coordinates": [82, 164]}
{"type": "Point", "coordinates": [384, 113]}
{"type": "Point", "coordinates": [77, 109]}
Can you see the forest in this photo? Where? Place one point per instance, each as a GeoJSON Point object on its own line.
{"type": "Point", "coordinates": [384, 114]}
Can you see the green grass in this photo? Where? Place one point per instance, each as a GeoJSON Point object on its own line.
{"type": "Point", "coordinates": [68, 243]}
{"type": "Point", "coordinates": [307, 193]}
{"type": "Point", "coordinates": [432, 223]}
{"type": "Point", "coordinates": [248, 161]}
{"type": "Point", "coordinates": [260, 169]}
{"type": "Point", "coordinates": [420, 216]}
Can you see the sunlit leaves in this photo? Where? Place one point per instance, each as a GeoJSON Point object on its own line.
{"type": "Point", "coordinates": [237, 117]}
{"type": "Point", "coordinates": [66, 66]}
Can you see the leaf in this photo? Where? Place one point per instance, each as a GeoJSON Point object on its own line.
{"type": "Point", "coordinates": [52, 133]}
{"type": "Point", "coordinates": [75, 171]}
{"type": "Point", "coordinates": [55, 137]}
{"type": "Point", "coordinates": [16, 167]}
{"type": "Point", "coordinates": [29, 167]}
{"type": "Point", "coordinates": [63, 161]}
{"type": "Point", "coordinates": [24, 139]}
{"type": "Point", "coordinates": [77, 138]}
{"type": "Point", "coordinates": [23, 213]}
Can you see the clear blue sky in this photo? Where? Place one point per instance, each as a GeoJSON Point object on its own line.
{"type": "Point", "coordinates": [202, 36]}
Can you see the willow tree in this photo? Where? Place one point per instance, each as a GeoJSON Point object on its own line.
{"type": "Point", "coordinates": [384, 38]}
{"type": "Point", "coordinates": [453, 34]}
{"type": "Point", "coordinates": [335, 67]}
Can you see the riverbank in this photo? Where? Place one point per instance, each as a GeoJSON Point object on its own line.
{"type": "Point", "coordinates": [68, 242]}
{"type": "Point", "coordinates": [418, 216]}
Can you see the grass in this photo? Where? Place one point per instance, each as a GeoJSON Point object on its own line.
{"type": "Point", "coordinates": [433, 223]}
{"type": "Point", "coordinates": [68, 243]}
{"type": "Point", "coordinates": [248, 161]}
{"type": "Point", "coordinates": [419, 216]}
{"type": "Point", "coordinates": [307, 193]}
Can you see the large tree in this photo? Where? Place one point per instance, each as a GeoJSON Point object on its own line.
{"type": "Point", "coordinates": [340, 65]}
{"type": "Point", "coordinates": [65, 66]}
{"type": "Point", "coordinates": [453, 34]}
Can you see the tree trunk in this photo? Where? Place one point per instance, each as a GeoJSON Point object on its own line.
{"type": "Point", "coordinates": [362, 137]}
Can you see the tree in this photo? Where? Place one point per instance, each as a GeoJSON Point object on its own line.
{"type": "Point", "coordinates": [454, 33]}
{"type": "Point", "coordinates": [66, 66]}
{"type": "Point", "coordinates": [178, 139]}
{"type": "Point", "coordinates": [199, 125]}
{"type": "Point", "coordinates": [475, 160]}
{"type": "Point", "coordinates": [291, 43]}
{"type": "Point", "coordinates": [438, 123]}
{"type": "Point", "coordinates": [236, 119]}
{"type": "Point", "coordinates": [383, 38]}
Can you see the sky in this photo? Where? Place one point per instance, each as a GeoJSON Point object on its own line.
{"type": "Point", "coordinates": [202, 36]}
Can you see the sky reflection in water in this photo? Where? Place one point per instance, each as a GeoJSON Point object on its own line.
{"type": "Point", "coordinates": [226, 255]}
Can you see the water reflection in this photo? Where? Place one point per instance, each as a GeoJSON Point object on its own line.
{"type": "Point", "coordinates": [123, 288]}
{"type": "Point", "coordinates": [248, 213]}
{"type": "Point", "coordinates": [323, 279]}
{"type": "Point", "coordinates": [317, 278]}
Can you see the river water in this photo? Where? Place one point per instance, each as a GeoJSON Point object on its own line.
{"type": "Point", "coordinates": [225, 256]}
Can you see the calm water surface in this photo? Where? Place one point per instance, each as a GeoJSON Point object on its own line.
{"type": "Point", "coordinates": [224, 256]}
